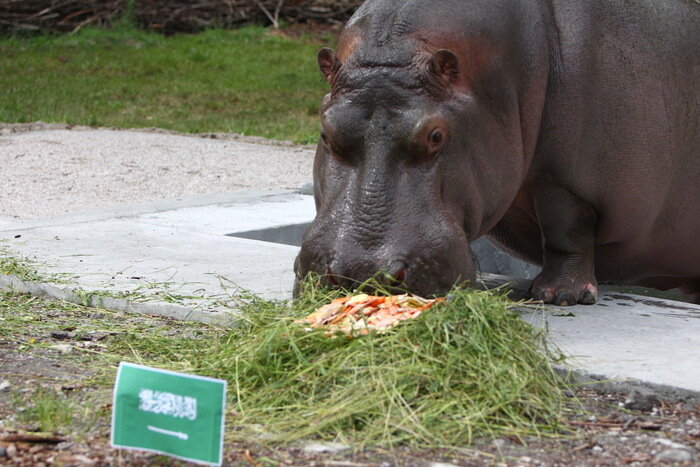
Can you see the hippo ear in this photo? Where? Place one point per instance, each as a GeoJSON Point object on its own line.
{"type": "Point", "coordinates": [327, 63]}
{"type": "Point", "coordinates": [446, 65]}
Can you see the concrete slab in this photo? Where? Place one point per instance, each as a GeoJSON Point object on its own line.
{"type": "Point", "coordinates": [629, 337]}
{"type": "Point", "coordinates": [624, 338]}
{"type": "Point", "coordinates": [180, 252]}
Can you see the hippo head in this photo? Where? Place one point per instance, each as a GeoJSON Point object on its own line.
{"type": "Point", "coordinates": [420, 153]}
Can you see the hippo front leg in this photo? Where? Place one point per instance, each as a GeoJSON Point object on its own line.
{"type": "Point", "coordinates": [568, 227]}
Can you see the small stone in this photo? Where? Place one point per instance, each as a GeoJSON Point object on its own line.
{"type": "Point", "coordinates": [441, 464]}
{"type": "Point", "coordinates": [331, 448]}
{"type": "Point", "coordinates": [63, 348]}
{"type": "Point", "coordinates": [4, 386]}
{"type": "Point", "coordinates": [675, 455]}
{"type": "Point", "coordinates": [62, 335]}
{"type": "Point", "coordinates": [11, 451]}
{"type": "Point", "coordinates": [525, 459]}
{"type": "Point", "coordinates": [64, 445]}
{"type": "Point", "coordinates": [672, 444]}
{"type": "Point", "coordinates": [80, 459]}
{"type": "Point", "coordinates": [3, 451]}
{"type": "Point", "coordinates": [597, 449]}
{"type": "Point", "coordinates": [637, 400]}
{"type": "Point", "coordinates": [499, 443]}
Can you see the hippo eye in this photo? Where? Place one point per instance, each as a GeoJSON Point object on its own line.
{"type": "Point", "coordinates": [435, 140]}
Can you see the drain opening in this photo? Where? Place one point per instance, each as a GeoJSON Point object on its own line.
{"type": "Point", "coordinates": [286, 234]}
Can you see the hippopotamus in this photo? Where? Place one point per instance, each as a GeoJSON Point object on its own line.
{"type": "Point", "coordinates": [567, 131]}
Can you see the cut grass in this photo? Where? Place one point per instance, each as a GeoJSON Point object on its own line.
{"type": "Point", "coordinates": [247, 81]}
{"type": "Point", "coordinates": [22, 268]}
{"type": "Point", "coordinates": [17, 267]}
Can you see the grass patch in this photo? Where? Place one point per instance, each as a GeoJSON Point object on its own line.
{"type": "Point", "coordinates": [18, 267]}
{"type": "Point", "coordinates": [248, 81]}
{"type": "Point", "coordinates": [48, 410]}
{"type": "Point", "coordinates": [24, 268]}
{"type": "Point", "coordinates": [21, 268]}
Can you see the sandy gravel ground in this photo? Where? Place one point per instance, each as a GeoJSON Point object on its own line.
{"type": "Point", "coordinates": [55, 170]}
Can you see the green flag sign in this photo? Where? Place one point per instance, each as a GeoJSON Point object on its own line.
{"type": "Point", "coordinates": [170, 413]}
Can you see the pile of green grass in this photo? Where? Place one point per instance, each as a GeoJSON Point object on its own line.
{"type": "Point", "coordinates": [250, 81]}
{"type": "Point", "coordinates": [467, 367]}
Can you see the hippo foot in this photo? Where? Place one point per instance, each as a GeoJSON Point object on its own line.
{"type": "Point", "coordinates": [563, 293]}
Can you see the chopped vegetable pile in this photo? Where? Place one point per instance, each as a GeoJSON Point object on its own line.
{"type": "Point", "coordinates": [359, 313]}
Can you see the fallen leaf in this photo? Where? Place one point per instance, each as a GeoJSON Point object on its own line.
{"type": "Point", "coordinates": [249, 458]}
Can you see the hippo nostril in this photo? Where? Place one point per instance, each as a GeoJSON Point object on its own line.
{"type": "Point", "coordinates": [400, 275]}
{"type": "Point", "coordinates": [397, 271]}
{"type": "Point", "coordinates": [331, 278]}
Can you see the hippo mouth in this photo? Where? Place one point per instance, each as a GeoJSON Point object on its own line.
{"type": "Point", "coordinates": [427, 276]}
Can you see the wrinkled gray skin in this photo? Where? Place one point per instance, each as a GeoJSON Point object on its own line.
{"type": "Point", "coordinates": [567, 130]}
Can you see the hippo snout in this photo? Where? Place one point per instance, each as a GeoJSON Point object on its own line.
{"type": "Point", "coordinates": [428, 268]}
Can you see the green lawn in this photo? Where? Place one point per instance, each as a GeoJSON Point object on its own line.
{"type": "Point", "coordinates": [250, 81]}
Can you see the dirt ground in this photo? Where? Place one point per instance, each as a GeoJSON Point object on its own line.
{"type": "Point", "coordinates": [53, 357]}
